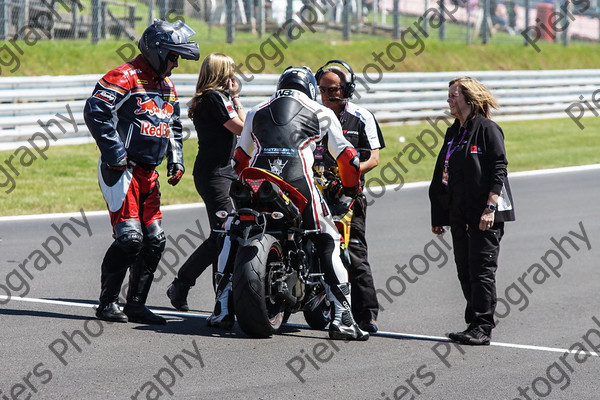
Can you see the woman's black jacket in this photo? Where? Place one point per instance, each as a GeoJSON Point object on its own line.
{"type": "Point", "coordinates": [484, 172]}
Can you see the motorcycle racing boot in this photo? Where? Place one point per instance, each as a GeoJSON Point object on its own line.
{"type": "Point", "coordinates": [343, 325]}
{"type": "Point", "coordinates": [140, 280]}
{"type": "Point", "coordinates": [222, 316]}
{"type": "Point", "coordinates": [177, 292]}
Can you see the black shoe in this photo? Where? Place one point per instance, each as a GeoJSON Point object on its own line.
{"type": "Point", "coordinates": [475, 337]}
{"type": "Point", "coordinates": [368, 326]}
{"type": "Point", "coordinates": [141, 314]}
{"type": "Point", "coordinates": [177, 292]}
{"type": "Point", "coordinates": [110, 312]}
{"type": "Point", "coordinates": [457, 336]}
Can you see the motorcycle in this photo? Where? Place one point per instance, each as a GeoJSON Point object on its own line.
{"type": "Point", "coordinates": [276, 270]}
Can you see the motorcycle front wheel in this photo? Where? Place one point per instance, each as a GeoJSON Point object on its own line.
{"type": "Point", "coordinates": [258, 314]}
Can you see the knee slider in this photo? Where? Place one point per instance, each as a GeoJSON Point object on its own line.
{"type": "Point", "coordinates": [158, 242]}
{"type": "Point", "coordinates": [155, 237]}
{"type": "Point", "coordinates": [153, 249]}
{"type": "Point", "coordinates": [130, 242]}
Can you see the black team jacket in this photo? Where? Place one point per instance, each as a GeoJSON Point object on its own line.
{"type": "Point", "coordinates": [484, 171]}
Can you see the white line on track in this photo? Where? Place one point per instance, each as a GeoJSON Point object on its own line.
{"type": "Point", "coordinates": [550, 171]}
{"type": "Point", "coordinates": [384, 334]}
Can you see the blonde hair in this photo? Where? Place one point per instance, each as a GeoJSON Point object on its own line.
{"type": "Point", "coordinates": [476, 95]}
{"type": "Point", "coordinates": [215, 70]}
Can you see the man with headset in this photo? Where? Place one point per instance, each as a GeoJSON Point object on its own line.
{"type": "Point", "coordinates": [362, 130]}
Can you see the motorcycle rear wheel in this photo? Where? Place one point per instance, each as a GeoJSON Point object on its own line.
{"type": "Point", "coordinates": [258, 314]}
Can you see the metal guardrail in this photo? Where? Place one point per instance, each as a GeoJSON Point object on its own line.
{"type": "Point", "coordinates": [27, 104]}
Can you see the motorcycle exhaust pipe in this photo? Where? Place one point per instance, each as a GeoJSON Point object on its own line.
{"type": "Point", "coordinates": [240, 195]}
{"type": "Point", "coordinates": [269, 194]}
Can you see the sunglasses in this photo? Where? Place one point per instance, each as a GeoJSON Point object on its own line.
{"type": "Point", "coordinates": [173, 57]}
{"type": "Point", "coordinates": [330, 90]}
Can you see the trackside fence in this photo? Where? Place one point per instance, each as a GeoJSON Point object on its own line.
{"type": "Point", "coordinates": [26, 103]}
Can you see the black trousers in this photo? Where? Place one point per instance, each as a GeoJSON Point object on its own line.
{"type": "Point", "coordinates": [214, 191]}
{"type": "Point", "coordinates": [476, 256]}
{"type": "Point", "coordinates": [364, 299]}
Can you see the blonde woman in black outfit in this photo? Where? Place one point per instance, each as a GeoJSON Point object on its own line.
{"type": "Point", "coordinates": [470, 193]}
{"type": "Point", "coordinates": [218, 118]}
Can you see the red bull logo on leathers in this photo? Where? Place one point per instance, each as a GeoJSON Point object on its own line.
{"type": "Point", "coordinates": [162, 130]}
{"type": "Point", "coordinates": [150, 107]}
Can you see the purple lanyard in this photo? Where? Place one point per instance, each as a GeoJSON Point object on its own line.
{"type": "Point", "coordinates": [451, 149]}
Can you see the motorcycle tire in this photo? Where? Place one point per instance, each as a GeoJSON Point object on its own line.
{"type": "Point", "coordinates": [258, 315]}
{"type": "Point", "coordinates": [317, 311]}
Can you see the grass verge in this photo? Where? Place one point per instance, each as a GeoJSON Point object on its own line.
{"type": "Point", "coordinates": [274, 53]}
{"type": "Point", "coordinates": [80, 57]}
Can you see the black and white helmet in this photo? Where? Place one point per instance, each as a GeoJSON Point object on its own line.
{"type": "Point", "coordinates": [299, 78]}
{"type": "Point", "coordinates": [161, 37]}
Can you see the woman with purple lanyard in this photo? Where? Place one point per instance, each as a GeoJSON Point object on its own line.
{"type": "Point", "coordinates": [470, 193]}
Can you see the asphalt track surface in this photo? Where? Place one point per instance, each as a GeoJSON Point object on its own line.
{"type": "Point", "coordinates": [53, 348]}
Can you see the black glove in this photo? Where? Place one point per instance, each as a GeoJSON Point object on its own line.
{"type": "Point", "coordinates": [335, 186]}
{"type": "Point", "coordinates": [175, 171]}
{"type": "Point", "coordinates": [120, 166]}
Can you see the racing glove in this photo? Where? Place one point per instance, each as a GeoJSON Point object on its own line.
{"type": "Point", "coordinates": [175, 171]}
{"type": "Point", "coordinates": [120, 166]}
